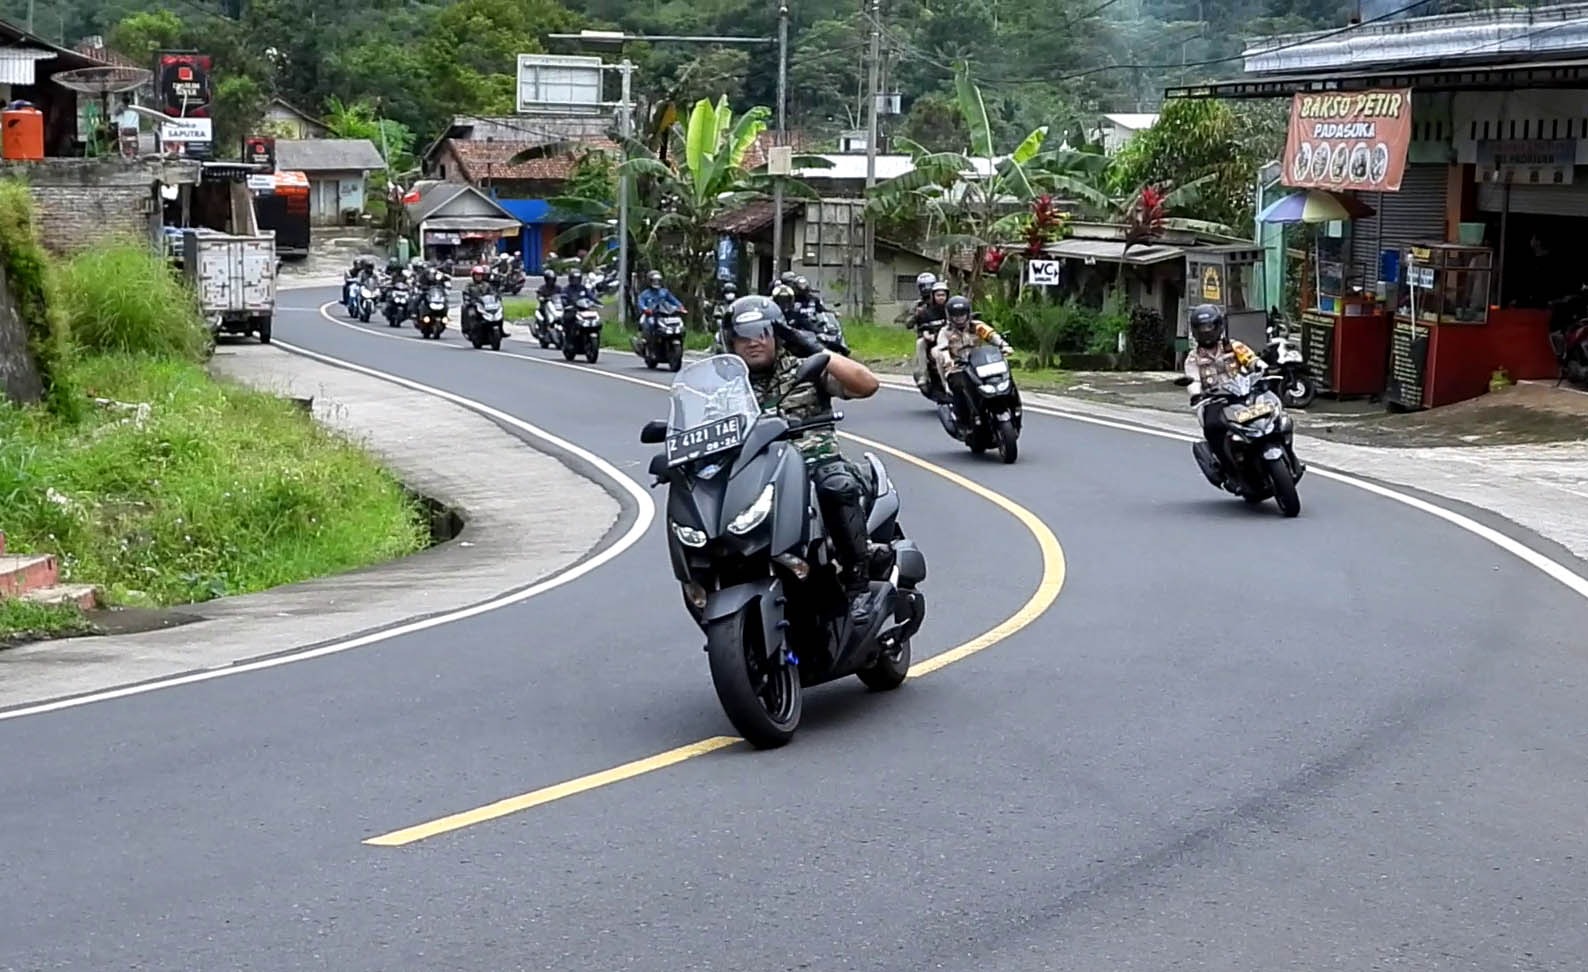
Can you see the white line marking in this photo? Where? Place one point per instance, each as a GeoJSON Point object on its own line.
{"type": "Point", "coordinates": [636, 531]}
{"type": "Point", "coordinates": [1549, 567]}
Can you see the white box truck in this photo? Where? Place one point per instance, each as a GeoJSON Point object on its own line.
{"type": "Point", "coordinates": [235, 279]}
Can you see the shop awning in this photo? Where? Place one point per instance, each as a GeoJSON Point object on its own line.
{"type": "Point", "coordinates": [1113, 251]}
{"type": "Point", "coordinates": [16, 64]}
{"type": "Point", "coordinates": [1451, 77]}
{"type": "Point", "coordinates": [465, 224]}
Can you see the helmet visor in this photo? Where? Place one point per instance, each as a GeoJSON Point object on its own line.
{"type": "Point", "coordinates": [751, 328]}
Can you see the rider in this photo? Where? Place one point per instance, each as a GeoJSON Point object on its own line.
{"type": "Point", "coordinates": [806, 300]}
{"type": "Point", "coordinates": [783, 297]}
{"type": "Point", "coordinates": [757, 332]}
{"type": "Point", "coordinates": [923, 284]}
{"type": "Point", "coordinates": [548, 284]}
{"type": "Point", "coordinates": [1213, 360]}
{"type": "Point", "coordinates": [576, 287]}
{"type": "Point", "coordinates": [655, 299]}
{"type": "Point", "coordinates": [934, 309]}
{"type": "Point", "coordinates": [954, 342]}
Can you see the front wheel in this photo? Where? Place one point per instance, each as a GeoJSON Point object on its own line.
{"type": "Point", "coordinates": [1284, 487]}
{"type": "Point", "coordinates": [889, 670]}
{"type": "Point", "coordinates": [1300, 390]}
{"type": "Point", "coordinates": [761, 695]}
{"type": "Point", "coordinates": [1008, 442]}
{"type": "Point", "coordinates": [568, 351]}
{"type": "Point", "coordinates": [496, 341]}
{"type": "Point", "coordinates": [675, 358]}
{"type": "Point", "coordinates": [592, 351]}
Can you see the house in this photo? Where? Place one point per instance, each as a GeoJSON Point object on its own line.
{"type": "Point", "coordinates": [28, 64]}
{"type": "Point", "coordinates": [1119, 129]}
{"type": "Point", "coordinates": [289, 121]}
{"type": "Point", "coordinates": [338, 171]}
{"type": "Point", "coordinates": [459, 223]}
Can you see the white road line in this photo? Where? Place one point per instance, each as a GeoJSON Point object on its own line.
{"type": "Point", "coordinates": [642, 522]}
{"type": "Point", "coordinates": [1548, 566]}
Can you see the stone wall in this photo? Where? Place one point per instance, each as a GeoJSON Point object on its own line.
{"type": "Point", "coordinates": [19, 375]}
{"type": "Point", "coordinates": [82, 201]}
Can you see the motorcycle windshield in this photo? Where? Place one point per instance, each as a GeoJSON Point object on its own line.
{"type": "Point", "coordinates": [490, 303]}
{"type": "Point", "coordinates": [712, 406]}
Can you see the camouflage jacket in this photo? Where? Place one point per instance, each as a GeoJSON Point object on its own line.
{"type": "Point", "coordinates": [818, 445]}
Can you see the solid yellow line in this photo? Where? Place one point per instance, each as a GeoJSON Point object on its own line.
{"type": "Point", "coordinates": [502, 808]}
{"type": "Point", "coordinates": [1053, 567]}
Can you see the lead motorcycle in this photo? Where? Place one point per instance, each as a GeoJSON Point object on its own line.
{"type": "Point", "coordinates": [665, 342]}
{"type": "Point", "coordinates": [995, 401]}
{"type": "Point", "coordinates": [748, 545]}
{"type": "Point", "coordinates": [581, 330]}
{"type": "Point", "coordinates": [1262, 461]}
{"type": "Point", "coordinates": [482, 322]}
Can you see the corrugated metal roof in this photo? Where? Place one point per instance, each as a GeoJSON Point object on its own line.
{"type": "Point", "coordinates": [328, 155]}
{"type": "Point", "coordinates": [1109, 251]}
{"type": "Point", "coordinates": [16, 64]}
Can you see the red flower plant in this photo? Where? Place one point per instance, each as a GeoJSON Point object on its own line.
{"type": "Point", "coordinates": [1146, 218]}
{"type": "Point", "coordinates": [993, 260]}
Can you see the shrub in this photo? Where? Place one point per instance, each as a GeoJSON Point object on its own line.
{"type": "Point", "coordinates": [123, 299]}
{"type": "Point", "coordinates": [27, 272]}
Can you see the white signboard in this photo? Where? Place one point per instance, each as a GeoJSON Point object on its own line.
{"type": "Point", "coordinates": [261, 183]}
{"type": "Point", "coordinates": [1042, 273]}
{"type": "Point", "coordinates": [186, 130]}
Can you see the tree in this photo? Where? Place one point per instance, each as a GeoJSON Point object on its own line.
{"type": "Point", "coordinates": [1196, 140]}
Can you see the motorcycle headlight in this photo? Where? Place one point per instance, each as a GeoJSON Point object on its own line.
{"type": "Point", "coordinates": [754, 514]}
{"type": "Point", "coordinates": [689, 536]}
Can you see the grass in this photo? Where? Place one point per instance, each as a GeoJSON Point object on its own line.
{"type": "Point", "coordinates": [220, 490]}
{"type": "Point", "coordinates": [120, 301]}
{"type": "Point", "coordinates": [25, 621]}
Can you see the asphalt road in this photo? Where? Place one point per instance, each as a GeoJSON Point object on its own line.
{"type": "Point", "coordinates": [1349, 741]}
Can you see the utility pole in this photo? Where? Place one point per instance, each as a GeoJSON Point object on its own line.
{"type": "Point", "coordinates": [868, 272]}
{"type": "Point", "coordinates": [782, 136]}
{"type": "Point", "coordinates": [625, 128]}
{"type": "Point", "coordinates": [30, 16]}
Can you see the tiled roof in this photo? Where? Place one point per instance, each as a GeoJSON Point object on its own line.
{"type": "Point", "coordinates": [752, 217]}
{"type": "Point", "coordinates": [481, 160]}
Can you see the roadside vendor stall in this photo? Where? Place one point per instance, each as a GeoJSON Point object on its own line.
{"type": "Point", "coordinates": [1440, 348]}
{"type": "Point", "coordinates": [1228, 275]}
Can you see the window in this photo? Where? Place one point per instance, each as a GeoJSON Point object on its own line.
{"type": "Point", "coordinates": [904, 289]}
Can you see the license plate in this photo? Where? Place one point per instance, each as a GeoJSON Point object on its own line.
{"type": "Point", "coordinates": [1254, 411]}
{"type": "Point", "coordinates": [703, 440]}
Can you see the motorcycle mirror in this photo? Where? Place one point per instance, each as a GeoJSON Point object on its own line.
{"type": "Point", "coordinates": [654, 431]}
{"type": "Point", "coordinates": [658, 467]}
{"type": "Point", "coordinates": [812, 368]}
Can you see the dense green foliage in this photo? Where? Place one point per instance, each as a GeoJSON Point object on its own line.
{"type": "Point", "coordinates": [28, 278]}
{"type": "Point", "coordinates": [122, 302]}
{"type": "Point", "coordinates": [1052, 62]}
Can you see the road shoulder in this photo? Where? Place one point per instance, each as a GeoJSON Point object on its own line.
{"type": "Point", "coordinates": [527, 515]}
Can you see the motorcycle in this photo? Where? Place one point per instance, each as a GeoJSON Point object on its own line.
{"type": "Point", "coordinates": [396, 309]}
{"type": "Point", "coordinates": [927, 380]}
{"type": "Point", "coordinates": [666, 340]}
{"type": "Point", "coordinates": [752, 554]}
{"type": "Point", "coordinates": [1298, 387]}
{"type": "Point", "coordinates": [581, 330]}
{"type": "Point", "coordinates": [1568, 338]}
{"type": "Point", "coordinates": [432, 317]}
{"type": "Point", "coordinates": [350, 295]}
{"type": "Point", "coordinates": [482, 322]}
{"type": "Point", "coordinates": [1262, 460]}
{"type": "Point", "coordinates": [995, 403]}
{"type": "Point", "coordinates": [548, 322]}
{"type": "Point", "coordinates": [366, 302]}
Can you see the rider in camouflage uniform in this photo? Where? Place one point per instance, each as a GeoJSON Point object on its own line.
{"type": "Point", "coordinates": [755, 330]}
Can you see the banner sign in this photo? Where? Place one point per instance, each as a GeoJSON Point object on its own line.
{"type": "Point", "coordinates": [182, 88]}
{"type": "Point", "coordinates": [1533, 162]}
{"type": "Point", "coordinates": [1351, 140]}
{"type": "Point", "coordinates": [186, 130]}
{"type": "Point", "coordinates": [260, 150]}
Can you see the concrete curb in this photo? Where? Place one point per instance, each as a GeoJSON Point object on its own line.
{"type": "Point", "coordinates": [510, 490]}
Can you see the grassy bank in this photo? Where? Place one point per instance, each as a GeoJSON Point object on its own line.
{"type": "Point", "coordinates": [164, 486]}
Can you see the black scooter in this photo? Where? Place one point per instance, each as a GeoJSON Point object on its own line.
{"type": "Point", "coordinates": [1261, 461]}
{"type": "Point", "coordinates": [752, 554]}
{"type": "Point", "coordinates": [995, 402]}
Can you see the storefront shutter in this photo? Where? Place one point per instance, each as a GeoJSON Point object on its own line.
{"type": "Point", "coordinates": [1539, 200]}
{"type": "Point", "coordinates": [1416, 214]}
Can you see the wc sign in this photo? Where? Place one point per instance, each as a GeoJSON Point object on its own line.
{"type": "Point", "coordinates": [1042, 273]}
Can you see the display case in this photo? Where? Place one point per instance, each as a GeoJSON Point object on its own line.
{"type": "Point", "coordinates": [1444, 283]}
{"type": "Point", "coordinates": [1229, 275]}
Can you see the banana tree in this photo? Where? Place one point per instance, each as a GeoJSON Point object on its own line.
{"type": "Point", "coordinates": [970, 202]}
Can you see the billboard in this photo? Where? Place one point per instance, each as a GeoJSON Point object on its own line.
{"type": "Point", "coordinates": [182, 87]}
{"type": "Point", "coordinates": [1349, 140]}
{"type": "Point", "coordinates": [260, 150]}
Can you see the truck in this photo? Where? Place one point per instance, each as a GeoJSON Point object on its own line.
{"type": "Point", "coordinates": [235, 279]}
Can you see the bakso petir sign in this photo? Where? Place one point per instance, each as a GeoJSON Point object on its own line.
{"type": "Point", "coordinates": [1349, 140]}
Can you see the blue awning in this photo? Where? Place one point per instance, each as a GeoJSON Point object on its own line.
{"type": "Point", "coordinates": [535, 211]}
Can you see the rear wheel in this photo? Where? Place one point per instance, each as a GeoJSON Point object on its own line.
{"type": "Point", "coordinates": [761, 696]}
{"type": "Point", "coordinates": [1284, 487]}
{"type": "Point", "coordinates": [263, 330]}
{"type": "Point", "coordinates": [1008, 442]}
{"type": "Point", "coordinates": [889, 670]}
{"type": "Point", "coordinates": [1300, 391]}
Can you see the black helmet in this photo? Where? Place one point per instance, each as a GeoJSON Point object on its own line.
{"type": "Point", "coordinates": [549, 275]}
{"type": "Point", "coordinates": [802, 286]}
{"type": "Point", "coordinates": [1206, 323]}
{"type": "Point", "coordinates": [751, 316]}
{"type": "Point", "coordinates": [958, 311]}
{"type": "Point", "coordinates": [787, 278]}
{"type": "Point", "coordinates": [575, 277]}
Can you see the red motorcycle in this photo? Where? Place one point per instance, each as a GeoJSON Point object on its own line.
{"type": "Point", "coordinates": [1568, 336]}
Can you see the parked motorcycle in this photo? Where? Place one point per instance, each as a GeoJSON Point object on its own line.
{"type": "Point", "coordinates": [666, 341]}
{"type": "Point", "coordinates": [1568, 337]}
{"type": "Point", "coordinates": [581, 330]}
{"type": "Point", "coordinates": [995, 403]}
{"type": "Point", "coordinates": [483, 323]}
{"type": "Point", "coordinates": [1297, 387]}
{"type": "Point", "coordinates": [752, 554]}
{"type": "Point", "coordinates": [432, 317]}
{"type": "Point", "coordinates": [1262, 461]}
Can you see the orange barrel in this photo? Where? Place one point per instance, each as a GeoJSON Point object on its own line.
{"type": "Point", "coordinates": [23, 138]}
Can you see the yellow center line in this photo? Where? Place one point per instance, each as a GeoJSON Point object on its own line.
{"type": "Point", "coordinates": [1048, 588]}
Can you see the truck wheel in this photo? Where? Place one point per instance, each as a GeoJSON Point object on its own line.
{"type": "Point", "coordinates": [263, 329]}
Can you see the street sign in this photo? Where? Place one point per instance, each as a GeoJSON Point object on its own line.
{"type": "Point", "coordinates": [1042, 273]}
{"type": "Point", "coordinates": [186, 130]}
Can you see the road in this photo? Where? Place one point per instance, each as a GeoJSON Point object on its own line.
{"type": "Point", "coordinates": [1354, 740]}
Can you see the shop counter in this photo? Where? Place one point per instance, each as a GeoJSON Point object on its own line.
{"type": "Point", "coordinates": [1347, 353]}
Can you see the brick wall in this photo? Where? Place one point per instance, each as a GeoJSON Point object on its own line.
{"type": "Point", "coordinates": [81, 202]}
